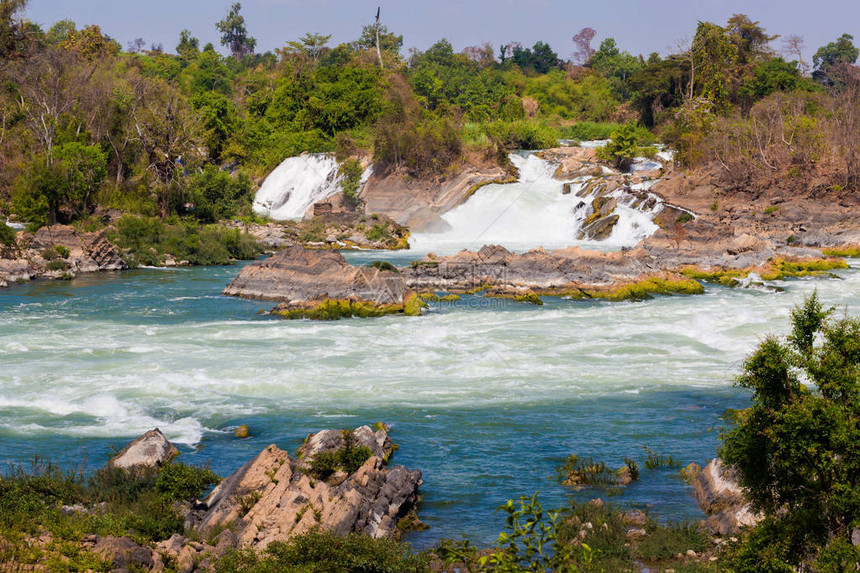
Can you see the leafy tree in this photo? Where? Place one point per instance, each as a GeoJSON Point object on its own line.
{"type": "Point", "coordinates": [90, 44]}
{"type": "Point", "coordinates": [189, 46]}
{"type": "Point", "coordinates": [828, 57]}
{"type": "Point", "coordinates": [621, 149]}
{"type": "Point", "coordinates": [749, 38]}
{"type": "Point", "coordinates": [714, 57]}
{"type": "Point", "coordinates": [311, 46]}
{"type": "Point", "coordinates": [771, 76]}
{"type": "Point", "coordinates": [616, 65]}
{"type": "Point", "coordinates": [797, 448]}
{"type": "Point", "coordinates": [659, 86]}
{"type": "Point", "coordinates": [68, 183]}
{"type": "Point", "coordinates": [12, 28]}
{"type": "Point", "coordinates": [540, 58]}
{"type": "Point", "coordinates": [60, 32]}
{"type": "Point", "coordinates": [234, 34]}
{"type": "Point", "coordinates": [216, 196]}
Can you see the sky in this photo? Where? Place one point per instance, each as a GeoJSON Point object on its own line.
{"type": "Point", "coordinates": [640, 27]}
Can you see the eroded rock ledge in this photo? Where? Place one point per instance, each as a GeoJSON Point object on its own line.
{"type": "Point", "coordinates": [312, 284]}
{"type": "Point", "coordinates": [57, 252]}
{"type": "Point", "coordinates": [272, 498]}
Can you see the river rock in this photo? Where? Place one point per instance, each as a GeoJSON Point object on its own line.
{"type": "Point", "coordinates": [273, 498]}
{"type": "Point", "coordinates": [124, 554]}
{"type": "Point", "coordinates": [150, 450]}
{"type": "Point", "coordinates": [409, 201]}
{"type": "Point", "coordinates": [298, 276]}
{"type": "Point", "coordinates": [720, 496]}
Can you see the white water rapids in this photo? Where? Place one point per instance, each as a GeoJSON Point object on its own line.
{"type": "Point", "coordinates": [527, 214]}
{"type": "Point", "coordinates": [533, 213]}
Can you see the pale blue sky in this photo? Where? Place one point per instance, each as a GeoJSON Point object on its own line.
{"type": "Point", "coordinates": [639, 27]}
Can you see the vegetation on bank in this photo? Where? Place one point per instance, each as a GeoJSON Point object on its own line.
{"type": "Point", "coordinates": [87, 123]}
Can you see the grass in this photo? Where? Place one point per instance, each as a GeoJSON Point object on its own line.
{"type": "Point", "coordinates": [850, 252]}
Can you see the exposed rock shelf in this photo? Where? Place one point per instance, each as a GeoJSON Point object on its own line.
{"type": "Point", "coordinates": [70, 252]}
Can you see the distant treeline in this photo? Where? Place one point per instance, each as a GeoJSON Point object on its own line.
{"type": "Point", "coordinates": [85, 122]}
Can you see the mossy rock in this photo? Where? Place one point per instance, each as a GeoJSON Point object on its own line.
{"type": "Point", "coordinates": [414, 305]}
{"type": "Point", "coordinates": [332, 309]}
{"type": "Point", "coordinates": [242, 432]}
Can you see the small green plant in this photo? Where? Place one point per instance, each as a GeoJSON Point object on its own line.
{"type": "Point", "coordinates": [684, 218]}
{"type": "Point", "coordinates": [621, 149]}
{"type": "Point", "coordinates": [791, 239]}
{"type": "Point", "coordinates": [350, 172]}
{"type": "Point", "coordinates": [349, 458]}
{"type": "Point", "coordinates": [655, 461]}
{"type": "Point", "coordinates": [577, 471]}
{"type": "Point", "coordinates": [632, 468]}
{"type": "Point", "coordinates": [63, 251]}
{"type": "Point", "coordinates": [50, 253]}
{"type": "Point", "coordinates": [771, 210]}
{"type": "Point", "coordinates": [248, 501]}
{"type": "Point", "coordinates": [377, 232]}
{"type": "Point", "coordinates": [179, 482]}
{"type": "Point", "coordinates": [7, 235]}
{"type": "Point", "coordinates": [715, 205]}
{"type": "Point", "coordinates": [384, 266]}
{"type": "Point", "coordinates": [57, 265]}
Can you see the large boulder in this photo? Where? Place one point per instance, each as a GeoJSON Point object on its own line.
{"type": "Point", "coordinates": [720, 496]}
{"type": "Point", "coordinates": [298, 275]}
{"type": "Point", "coordinates": [150, 450]}
{"type": "Point", "coordinates": [274, 497]}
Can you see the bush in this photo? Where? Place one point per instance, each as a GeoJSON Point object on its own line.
{"type": "Point", "coordinates": [351, 172]}
{"type": "Point", "coordinates": [319, 551]}
{"type": "Point", "coordinates": [348, 458]}
{"type": "Point", "coordinates": [7, 235]}
{"type": "Point", "coordinates": [214, 195]}
{"type": "Point", "coordinates": [622, 149]}
{"type": "Point", "coordinates": [179, 482]}
{"type": "Point", "coordinates": [795, 448]}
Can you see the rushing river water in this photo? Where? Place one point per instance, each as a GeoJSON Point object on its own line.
{"type": "Point", "coordinates": [486, 397]}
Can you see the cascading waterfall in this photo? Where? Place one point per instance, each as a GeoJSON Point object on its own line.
{"type": "Point", "coordinates": [533, 213]}
{"type": "Point", "coordinates": [297, 183]}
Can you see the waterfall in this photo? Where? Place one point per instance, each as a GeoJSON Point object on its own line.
{"type": "Point", "coordinates": [295, 185]}
{"type": "Point", "coordinates": [533, 213]}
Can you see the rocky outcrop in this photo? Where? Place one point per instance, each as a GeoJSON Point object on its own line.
{"type": "Point", "coordinates": [321, 284]}
{"type": "Point", "coordinates": [150, 450]}
{"type": "Point", "coordinates": [274, 497]}
{"type": "Point", "coordinates": [419, 204]}
{"type": "Point", "coordinates": [59, 251]}
{"type": "Point", "coordinates": [720, 496]}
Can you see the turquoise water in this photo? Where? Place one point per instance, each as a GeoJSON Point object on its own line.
{"type": "Point", "coordinates": [486, 397]}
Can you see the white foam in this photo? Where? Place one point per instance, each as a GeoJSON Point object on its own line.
{"type": "Point", "coordinates": [297, 183]}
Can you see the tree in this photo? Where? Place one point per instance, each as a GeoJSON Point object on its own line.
{"type": "Point", "coordinates": [797, 448]}
{"type": "Point", "coordinates": [583, 52]}
{"type": "Point", "coordinates": [311, 46]}
{"type": "Point", "coordinates": [68, 183]}
{"type": "Point", "coordinates": [60, 32]}
{"type": "Point", "coordinates": [189, 46]}
{"type": "Point", "coordinates": [12, 28]}
{"type": "Point", "coordinates": [714, 57]}
{"type": "Point", "coordinates": [749, 38]}
{"type": "Point", "coordinates": [792, 46]}
{"type": "Point", "coordinates": [828, 58]}
{"type": "Point", "coordinates": [616, 65]}
{"type": "Point", "coordinates": [234, 34]}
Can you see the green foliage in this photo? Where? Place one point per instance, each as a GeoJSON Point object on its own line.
{"type": "Point", "coordinates": [7, 235]}
{"type": "Point", "coordinates": [147, 241]}
{"type": "Point", "coordinates": [348, 458]}
{"type": "Point", "coordinates": [350, 172]}
{"type": "Point", "coordinates": [655, 461]}
{"type": "Point", "coordinates": [215, 195]}
{"type": "Point", "coordinates": [234, 34]}
{"type": "Point", "coordinates": [621, 149]}
{"type": "Point", "coordinates": [384, 266]}
{"type": "Point", "coordinates": [56, 265]}
{"type": "Point", "coordinates": [540, 59]}
{"type": "Point", "coordinates": [179, 482]}
{"type": "Point", "coordinates": [795, 449]}
{"type": "Point", "coordinates": [714, 56]}
{"type": "Point", "coordinates": [591, 130]}
{"type": "Point", "coordinates": [842, 51]}
{"type": "Point", "coordinates": [320, 551]}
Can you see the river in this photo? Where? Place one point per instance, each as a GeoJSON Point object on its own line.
{"type": "Point", "coordinates": [486, 397]}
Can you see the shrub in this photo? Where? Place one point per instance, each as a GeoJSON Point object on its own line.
{"type": "Point", "coordinates": [56, 265]}
{"type": "Point", "coordinates": [795, 447]}
{"type": "Point", "coordinates": [7, 235]}
{"type": "Point", "coordinates": [622, 149]}
{"type": "Point", "coordinates": [180, 482]}
{"type": "Point", "coordinates": [323, 551]}
{"type": "Point", "coordinates": [350, 172]}
{"type": "Point", "coordinates": [348, 458]}
{"type": "Point", "coordinates": [215, 195]}
{"type": "Point", "coordinates": [384, 266]}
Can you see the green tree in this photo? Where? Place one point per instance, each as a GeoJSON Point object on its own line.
{"type": "Point", "coordinates": [234, 34]}
{"type": "Point", "coordinates": [750, 39]}
{"type": "Point", "coordinates": [12, 27]}
{"type": "Point", "coordinates": [616, 65]}
{"type": "Point", "coordinates": [189, 46]}
{"type": "Point", "coordinates": [60, 32]}
{"type": "Point", "coordinates": [714, 57]}
{"type": "Point", "coordinates": [828, 58]}
{"type": "Point", "coordinates": [797, 448]}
